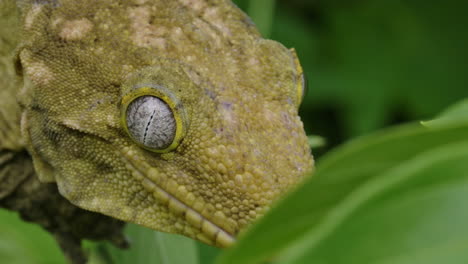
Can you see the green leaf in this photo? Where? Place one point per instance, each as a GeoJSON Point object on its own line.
{"type": "Point", "coordinates": [149, 246]}
{"type": "Point", "coordinates": [338, 175]}
{"type": "Point", "coordinates": [207, 253]}
{"type": "Point", "coordinates": [22, 242]}
{"type": "Point", "coordinates": [316, 141]}
{"type": "Point", "coordinates": [414, 213]}
{"type": "Point", "coordinates": [456, 113]}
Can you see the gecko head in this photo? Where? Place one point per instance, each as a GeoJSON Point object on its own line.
{"type": "Point", "coordinates": [196, 132]}
{"type": "Point", "coordinates": [216, 157]}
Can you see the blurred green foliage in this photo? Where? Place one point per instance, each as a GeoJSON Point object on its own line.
{"type": "Point", "coordinates": [370, 64]}
{"type": "Point", "coordinates": [25, 243]}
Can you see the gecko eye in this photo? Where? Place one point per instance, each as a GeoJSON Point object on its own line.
{"type": "Point", "coordinates": [151, 119]}
{"type": "Point", "coordinates": [150, 122]}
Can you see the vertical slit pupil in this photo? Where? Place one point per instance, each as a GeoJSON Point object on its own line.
{"type": "Point", "coordinates": [151, 122]}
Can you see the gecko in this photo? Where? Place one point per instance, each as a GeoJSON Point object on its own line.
{"type": "Point", "coordinates": [175, 115]}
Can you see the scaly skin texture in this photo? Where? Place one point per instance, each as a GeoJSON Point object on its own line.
{"type": "Point", "coordinates": [20, 188]}
{"type": "Point", "coordinates": [243, 144]}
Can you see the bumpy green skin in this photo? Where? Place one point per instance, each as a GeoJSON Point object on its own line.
{"type": "Point", "coordinates": [244, 144]}
{"type": "Point", "coordinates": [20, 189]}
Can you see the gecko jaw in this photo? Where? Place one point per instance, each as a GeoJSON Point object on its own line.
{"type": "Point", "coordinates": [210, 233]}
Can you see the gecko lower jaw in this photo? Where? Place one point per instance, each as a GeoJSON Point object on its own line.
{"type": "Point", "coordinates": [210, 233]}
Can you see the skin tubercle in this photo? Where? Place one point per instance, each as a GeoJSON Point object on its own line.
{"type": "Point", "coordinates": [233, 94]}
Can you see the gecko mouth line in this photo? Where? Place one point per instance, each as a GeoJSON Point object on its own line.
{"type": "Point", "coordinates": [210, 233]}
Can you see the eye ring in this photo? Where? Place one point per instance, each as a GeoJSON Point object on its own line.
{"type": "Point", "coordinates": [166, 103]}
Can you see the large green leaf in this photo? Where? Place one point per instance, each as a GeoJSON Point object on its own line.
{"type": "Point", "coordinates": [414, 213]}
{"type": "Point", "coordinates": [341, 173]}
{"type": "Point", "coordinates": [456, 113]}
{"type": "Point", "coordinates": [149, 247]}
